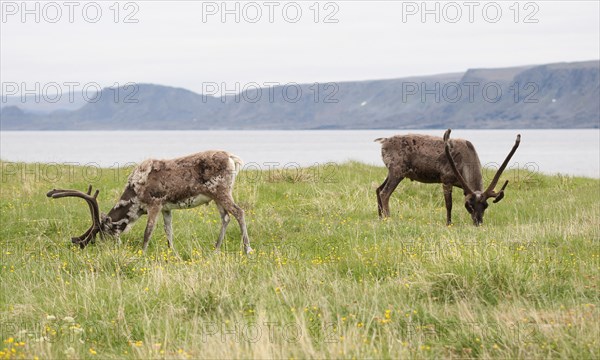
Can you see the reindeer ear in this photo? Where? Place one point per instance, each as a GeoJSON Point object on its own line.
{"type": "Point", "coordinates": [469, 207]}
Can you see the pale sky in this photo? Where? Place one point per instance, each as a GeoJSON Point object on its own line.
{"type": "Point", "coordinates": [187, 44]}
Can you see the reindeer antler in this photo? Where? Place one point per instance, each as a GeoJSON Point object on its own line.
{"type": "Point", "coordinates": [457, 173]}
{"type": "Point", "coordinates": [90, 234]}
{"type": "Point", "coordinates": [489, 192]}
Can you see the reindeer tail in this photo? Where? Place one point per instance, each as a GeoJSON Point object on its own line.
{"type": "Point", "coordinates": [238, 163]}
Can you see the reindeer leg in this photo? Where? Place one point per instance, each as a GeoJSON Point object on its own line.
{"type": "Point", "coordinates": [152, 217]}
{"type": "Point", "coordinates": [448, 199]}
{"type": "Point", "coordinates": [224, 222]}
{"type": "Point", "coordinates": [388, 188]}
{"type": "Point", "coordinates": [238, 214]}
{"type": "Point", "coordinates": [378, 192]}
{"type": "Point", "coordinates": [168, 226]}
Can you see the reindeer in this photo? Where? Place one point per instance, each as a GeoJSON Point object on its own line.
{"type": "Point", "coordinates": [431, 159]}
{"type": "Point", "coordinates": [159, 186]}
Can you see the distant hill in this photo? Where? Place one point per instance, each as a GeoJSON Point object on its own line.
{"type": "Point", "coordinates": [47, 104]}
{"type": "Point", "coordinates": [561, 95]}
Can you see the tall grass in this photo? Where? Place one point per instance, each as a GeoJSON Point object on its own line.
{"type": "Point", "coordinates": [327, 279]}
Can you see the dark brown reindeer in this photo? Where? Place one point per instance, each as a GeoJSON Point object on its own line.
{"type": "Point", "coordinates": [159, 186]}
{"type": "Point", "coordinates": [431, 159]}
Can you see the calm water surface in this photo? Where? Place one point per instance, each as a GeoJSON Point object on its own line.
{"type": "Point", "coordinates": [573, 152]}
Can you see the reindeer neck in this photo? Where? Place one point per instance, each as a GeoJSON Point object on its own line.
{"type": "Point", "coordinates": [126, 211]}
{"type": "Point", "coordinates": [473, 176]}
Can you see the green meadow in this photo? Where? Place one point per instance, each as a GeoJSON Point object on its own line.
{"type": "Point", "coordinates": [327, 278]}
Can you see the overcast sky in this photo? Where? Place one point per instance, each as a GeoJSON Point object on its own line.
{"type": "Point", "coordinates": [186, 44]}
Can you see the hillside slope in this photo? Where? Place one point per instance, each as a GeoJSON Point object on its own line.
{"type": "Point", "coordinates": [561, 95]}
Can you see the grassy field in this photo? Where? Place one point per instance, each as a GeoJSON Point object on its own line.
{"type": "Point", "coordinates": [327, 279]}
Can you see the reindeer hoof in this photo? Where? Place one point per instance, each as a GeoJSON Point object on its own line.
{"type": "Point", "coordinates": [248, 250]}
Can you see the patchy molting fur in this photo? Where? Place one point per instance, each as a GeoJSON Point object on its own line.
{"type": "Point", "coordinates": [157, 186]}
{"type": "Point", "coordinates": [422, 158]}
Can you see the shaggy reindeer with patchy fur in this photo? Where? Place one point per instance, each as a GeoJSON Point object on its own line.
{"type": "Point", "coordinates": [431, 159]}
{"type": "Point", "coordinates": [159, 186]}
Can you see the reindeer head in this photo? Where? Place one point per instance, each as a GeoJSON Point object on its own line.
{"type": "Point", "coordinates": [98, 226]}
{"type": "Point", "coordinates": [476, 200]}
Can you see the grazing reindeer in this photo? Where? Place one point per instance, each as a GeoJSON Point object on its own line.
{"type": "Point", "coordinates": [157, 186]}
{"type": "Point", "coordinates": [431, 159]}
